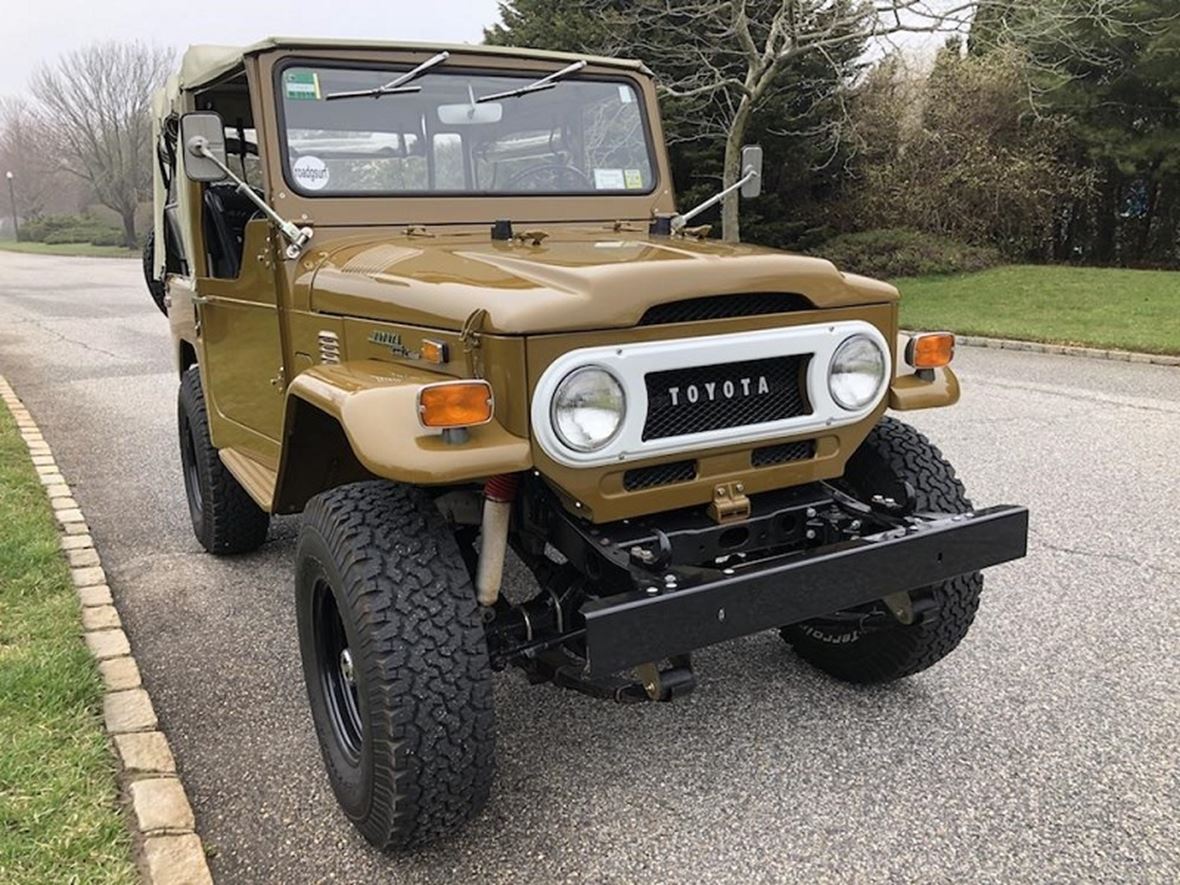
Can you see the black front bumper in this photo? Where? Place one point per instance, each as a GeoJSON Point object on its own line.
{"type": "Point", "coordinates": [637, 627]}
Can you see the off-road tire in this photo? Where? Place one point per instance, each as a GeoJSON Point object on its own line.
{"type": "Point", "coordinates": [155, 287]}
{"type": "Point", "coordinates": [417, 759]}
{"type": "Point", "coordinates": [895, 454]}
{"type": "Point", "coordinates": [224, 516]}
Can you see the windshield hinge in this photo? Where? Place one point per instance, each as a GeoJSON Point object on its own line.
{"type": "Point", "coordinates": [534, 237]}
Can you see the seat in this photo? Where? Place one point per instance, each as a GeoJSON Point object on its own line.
{"type": "Point", "coordinates": [227, 211]}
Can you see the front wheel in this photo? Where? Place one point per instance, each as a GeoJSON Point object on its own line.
{"type": "Point", "coordinates": [395, 661]}
{"type": "Point", "coordinates": [893, 457]}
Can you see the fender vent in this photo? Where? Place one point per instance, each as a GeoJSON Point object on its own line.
{"type": "Point", "coordinates": [660, 475]}
{"type": "Point", "coordinates": [329, 347]}
{"type": "Point", "coordinates": [721, 307]}
{"type": "Point", "coordinates": [769, 456]}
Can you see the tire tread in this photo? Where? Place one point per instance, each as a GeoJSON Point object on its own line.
{"type": "Point", "coordinates": [415, 612]}
{"type": "Point", "coordinates": [908, 456]}
{"type": "Point", "coordinates": [231, 521]}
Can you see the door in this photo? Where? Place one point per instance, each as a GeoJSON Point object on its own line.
{"type": "Point", "coordinates": [241, 350]}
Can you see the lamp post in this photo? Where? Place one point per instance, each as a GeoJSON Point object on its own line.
{"type": "Point", "coordinates": [12, 199]}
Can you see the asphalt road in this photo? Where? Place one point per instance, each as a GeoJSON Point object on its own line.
{"type": "Point", "coordinates": [1045, 749]}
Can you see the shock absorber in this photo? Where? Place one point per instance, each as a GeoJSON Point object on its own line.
{"type": "Point", "coordinates": [498, 494]}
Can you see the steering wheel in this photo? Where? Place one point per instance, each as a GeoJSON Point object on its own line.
{"type": "Point", "coordinates": [562, 173]}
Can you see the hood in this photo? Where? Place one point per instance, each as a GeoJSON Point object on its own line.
{"type": "Point", "coordinates": [568, 283]}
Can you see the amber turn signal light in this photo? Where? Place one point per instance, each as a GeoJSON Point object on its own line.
{"type": "Point", "coordinates": [455, 404]}
{"type": "Point", "coordinates": [930, 350]}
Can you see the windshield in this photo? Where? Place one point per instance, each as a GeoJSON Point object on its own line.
{"type": "Point", "coordinates": [579, 136]}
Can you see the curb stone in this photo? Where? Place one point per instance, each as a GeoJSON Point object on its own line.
{"type": "Point", "coordinates": [171, 852]}
{"type": "Point", "coordinates": [1095, 353]}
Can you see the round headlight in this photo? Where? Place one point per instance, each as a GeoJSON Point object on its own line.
{"type": "Point", "coordinates": [857, 372]}
{"type": "Point", "coordinates": [588, 408]}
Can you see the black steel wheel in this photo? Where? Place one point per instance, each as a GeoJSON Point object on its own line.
{"type": "Point", "coordinates": [893, 460]}
{"type": "Point", "coordinates": [224, 516]}
{"type": "Point", "coordinates": [336, 672]}
{"type": "Point", "coordinates": [395, 662]}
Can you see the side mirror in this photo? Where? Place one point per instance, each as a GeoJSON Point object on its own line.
{"type": "Point", "coordinates": [203, 130]}
{"type": "Point", "coordinates": [752, 162]}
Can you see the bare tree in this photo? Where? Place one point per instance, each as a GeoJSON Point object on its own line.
{"type": "Point", "coordinates": [728, 54]}
{"type": "Point", "coordinates": [94, 103]}
{"type": "Point", "coordinates": [24, 144]}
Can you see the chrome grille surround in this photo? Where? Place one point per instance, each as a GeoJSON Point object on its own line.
{"type": "Point", "coordinates": [632, 363]}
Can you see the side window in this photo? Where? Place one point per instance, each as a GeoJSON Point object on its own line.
{"type": "Point", "coordinates": [448, 162]}
{"type": "Point", "coordinates": [175, 261]}
{"type": "Point", "coordinates": [242, 154]}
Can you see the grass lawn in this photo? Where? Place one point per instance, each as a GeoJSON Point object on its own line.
{"type": "Point", "coordinates": [1098, 307]}
{"type": "Point", "coordinates": [85, 249]}
{"type": "Point", "coordinates": [59, 817]}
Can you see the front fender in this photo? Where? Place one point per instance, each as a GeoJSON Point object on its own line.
{"type": "Point", "coordinates": [375, 405]}
{"type": "Point", "coordinates": [909, 392]}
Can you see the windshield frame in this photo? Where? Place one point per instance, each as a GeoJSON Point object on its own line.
{"type": "Point", "coordinates": [463, 66]}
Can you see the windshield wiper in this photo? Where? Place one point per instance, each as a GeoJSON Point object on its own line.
{"type": "Point", "coordinates": [544, 83]}
{"type": "Point", "coordinates": [394, 87]}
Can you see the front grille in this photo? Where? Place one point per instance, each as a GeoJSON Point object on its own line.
{"type": "Point", "coordinates": [720, 307]}
{"type": "Point", "coordinates": [659, 475]}
{"type": "Point", "coordinates": [769, 456]}
{"type": "Point", "coordinates": [701, 398]}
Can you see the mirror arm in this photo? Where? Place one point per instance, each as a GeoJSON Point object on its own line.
{"type": "Point", "coordinates": [298, 237]}
{"type": "Point", "coordinates": [679, 221]}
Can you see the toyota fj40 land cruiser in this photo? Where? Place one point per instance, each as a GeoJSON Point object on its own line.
{"type": "Point", "coordinates": [440, 301]}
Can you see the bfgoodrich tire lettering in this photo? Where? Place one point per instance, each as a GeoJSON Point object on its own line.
{"type": "Point", "coordinates": [418, 658]}
{"type": "Point", "coordinates": [893, 455]}
{"type": "Point", "coordinates": [224, 516]}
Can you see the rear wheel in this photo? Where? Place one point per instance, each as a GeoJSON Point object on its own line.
{"type": "Point", "coordinates": [395, 661]}
{"type": "Point", "coordinates": [893, 457]}
{"type": "Point", "coordinates": [155, 287]}
{"type": "Point", "coordinates": [224, 516]}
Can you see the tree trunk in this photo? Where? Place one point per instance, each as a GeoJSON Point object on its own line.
{"type": "Point", "coordinates": [129, 238]}
{"type": "Point", "coordinates": [1106, 222]}
{"type": "Point", "coordinates": [731, 229]}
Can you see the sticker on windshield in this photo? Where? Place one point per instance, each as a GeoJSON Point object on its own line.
{"type": "Point", "coordinates": [302, 85]}
{"type": "Point", "coordinates": [311, 173]}
{"type": "Point", "coordinates": [609, 180]}
{"type": "Point", "coordinates": [633, 179]}
{"type": "Point", "coordinates": [626, 95]}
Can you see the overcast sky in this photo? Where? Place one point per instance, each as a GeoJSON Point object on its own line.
{"type": "Point", "coordinates": [40, 30]}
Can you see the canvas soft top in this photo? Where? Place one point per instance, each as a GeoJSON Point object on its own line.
{"type": "Point", "coordinates": [205, 64]}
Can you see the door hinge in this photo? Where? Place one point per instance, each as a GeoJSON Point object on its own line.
{"type": "Point", "coordinates": [279, 381]}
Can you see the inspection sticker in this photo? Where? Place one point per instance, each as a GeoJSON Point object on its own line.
{"type": "Point", "coordinates": [302, 85]}
{"type": "Point", "coordinates": [633, 178]}
{"type": "Point", "coordinates": [609, 180]}
{"type": "Point", "coordinates": [311, 173]}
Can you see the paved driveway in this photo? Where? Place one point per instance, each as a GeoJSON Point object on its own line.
{"type": "Point", "coordinates": [1046, 748]}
